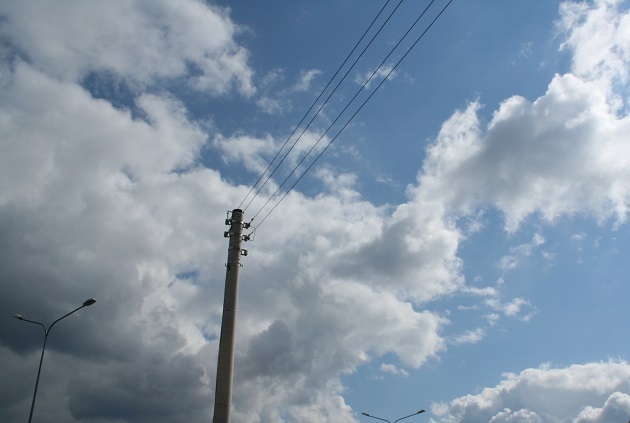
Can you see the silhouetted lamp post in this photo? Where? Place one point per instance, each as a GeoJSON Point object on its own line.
{"type": "Point", "coordinates": [86, 303]}
{"type": "Point", "coordinates": [378, 418]}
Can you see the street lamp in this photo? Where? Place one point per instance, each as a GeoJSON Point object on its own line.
{"type": "Point", "coordinates": [86, 303]}
{"type": "Point", "coordinates": [411, 415]}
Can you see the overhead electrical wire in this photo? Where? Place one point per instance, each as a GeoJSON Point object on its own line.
{"type": "Point", "coordinates": [369, 79]}
{"type": "Point", "coordinates": [355, 113]}
{"type": "Point", "coordinates": [324, 103]}
{"type": "Point", "coordinates": [315, 102]}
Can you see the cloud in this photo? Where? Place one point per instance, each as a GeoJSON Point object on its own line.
{"type": "Point", "coordinates": [375, 76]}
{"type": "Point", "coordinates": [258, 155]}
{"type": "Point", "coordinates": [469, 337]}
{"type": "Point", "coordinates": [564, 153]}
{"type": "Point", "coordinates": [519, 253]}
{"type": "Point", "coordinates": [275, 97]}
{"type": "Point", "coordinates": [599, 39]}
{"type": "Point", "coordinates": [518, 308]}
{"type": "Point", "coordinates": [305, 79]}
{"type": "Point", "coordinates": [616, 408]}
{"type": "Point", "coordinates": [580, 393]}
{"type": "Point", "coordinates": [94, 202]}
{"type": "Point", "coordinates": [558, 155]}
{"type": "Point", "coordinates": [139, 41]}
{"type": "Point", "coordinates": [107, 205]}
{"type": "Point", "coordinates": [392, 369]}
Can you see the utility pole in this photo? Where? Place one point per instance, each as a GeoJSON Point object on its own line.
{"type": "Point", "coordinates": [225, 362]}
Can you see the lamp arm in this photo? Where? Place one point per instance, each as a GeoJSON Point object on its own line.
{"type": "Point", "coordinates": [411, 415]}
{"type": "Point", "coordinates": [63, 317]}
{"type": "Point", "coordinates": [374, 417]}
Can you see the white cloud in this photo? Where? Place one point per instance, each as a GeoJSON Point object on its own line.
{"type": "Point", "coordinates": [80, 136]}
{"type": "Point", "coordinates": [579, 236]}
{"type": "Point", "coordinates": [275, 98]}
{"type": "Point", "coordinates": [137, 40]}
{"type": "Point", "coordinates": [374, 77]}
{"type": "Point", "coordinates": [469, 337]}
{"type": "Point", "coordinates": [579, 393]}
{"type": "Point", "coordinates": [616, 408]}
{"type": "Point", "coordinates": [256, 154]}
{"type": "Point", "coordinates": [116, 208]}
{"type": "Point", "coordinates": [492, 318]}
{"type": "Point", "coordinates": [519, 253]}
{"type": "Point", "coordinates": [94, 203]}
{"type": "Point", "coordinates": [246, 150]}
{"type": "Point", "coordinates": [565, 153]}
{"type": "Point", "coordinates": [599, 38]}
{"type": "Point", "coordinates": [520, 416]}
{"type": "Point", "coordinates": [526, 49]}
{"type": "Point", "coordinates": [305, 80]}
{"type": "Point", "coordinates": [518, 308]}
{"type": "Point", "coordinates": [271, 106]}
{"type": "Point", "coordinates": [392, 369]}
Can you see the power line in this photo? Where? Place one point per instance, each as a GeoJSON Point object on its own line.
{"type": "Point", "coordinates": [355, 113]}
{"type": "Point", "coordinates": [347, 105]}
{"type": "Point", "coordinates": [344, 109]}
{"type": "Point", "coordinates": [314, 103]}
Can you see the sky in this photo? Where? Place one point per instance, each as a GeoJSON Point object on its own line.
{"type": "Point", "coordinates": [459, 246]}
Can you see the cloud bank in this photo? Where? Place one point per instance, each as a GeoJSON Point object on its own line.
{"type": "Point", "coordinates": [549, 394]}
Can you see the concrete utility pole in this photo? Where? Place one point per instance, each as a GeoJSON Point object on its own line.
{"type": "Point", "coordinates": [225, 362]}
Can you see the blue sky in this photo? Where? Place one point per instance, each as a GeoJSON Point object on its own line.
{"type": "Point", "coordinates": [460, 247]}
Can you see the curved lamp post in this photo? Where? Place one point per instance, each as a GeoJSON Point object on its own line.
{"type": "Point", "coordinates": [411, 415]}
{"type": "Point", "coordinates": [86, 303]}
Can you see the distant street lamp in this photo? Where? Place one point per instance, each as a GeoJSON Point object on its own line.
{"type": "Point", "coordinates": [86, 303]}
{"type": "Point", "coordinates": [411, 415]}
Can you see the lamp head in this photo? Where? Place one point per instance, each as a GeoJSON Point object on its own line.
{"type": "Point", "coordinates": [88, 302]}
{"type": "Point", "coordinates": [18, 316]}
{"type": "Point", "coordinates": [421, 411]}
{"type": "Point", "coordinates": [366, 414]}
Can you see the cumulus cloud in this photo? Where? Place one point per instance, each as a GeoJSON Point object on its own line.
{"type": "Point", "coordinates": [284, 160]}
{"type": "Point", "coordinates": [616, 408]}
{"type": "Point", "coordinates": [564, 153]}
{"type": "Point", "coordinates": [599, 39]}
{"type": "Point", "coordinates": [139, 41]}
{"type": "Point", "coordinates": [580, 393]}
{"type": "Point", "coordinates": [116, 207]}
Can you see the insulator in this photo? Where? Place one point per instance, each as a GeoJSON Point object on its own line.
{"type": "Point", "coordinates": [243, 252]}
{"type": "Point", "coordinates": [246, 238]}
{"type": "Point", "coordinates": [246, 225]}
{"type": "Point", "coordinates": [226, 234]}
{"type": "Point", "coordinates": [228, 222]}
